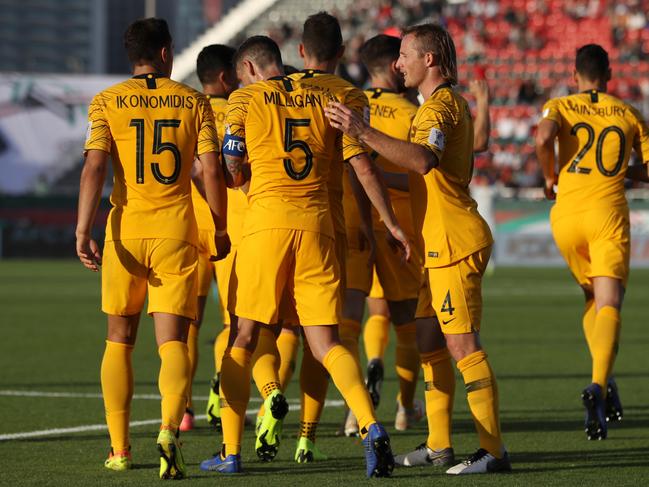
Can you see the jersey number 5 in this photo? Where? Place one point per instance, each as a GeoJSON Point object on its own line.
{"type": "Point", "coordinates": [290, 144]}
{"type": "Point", "coordinates": [598, 150]}
{"type": "Point", "coordinates": [158, 148]}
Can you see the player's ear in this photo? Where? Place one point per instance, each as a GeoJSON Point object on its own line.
{"type": "Point", "coordinates": [430, 60]}
{"type": "Point", "coordinates": [394, 69]}
{"type": "Point", "coordinates": [575, 77]}
{"type": "Point", "coordinates": [300, 50]}
{"type": "Point", "coordinates": [341, 51]}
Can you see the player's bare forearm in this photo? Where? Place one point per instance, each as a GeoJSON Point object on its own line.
{"type": "Point", "coordinates": [396, 180]}
{"type": "Point", "coordinates": [215, 189]}
{"type": "Point", "coordinates": [234, 171]}
{"type": "Point", "coordinates": [638, 172]}
{"type": "Point", "coordinates": [482, 124]}
{"type": "Point", "coordinates": [411, 156]}
{"type": "Point", "coordinates": [197, 177]}
{"type": "Point", "coordinates": [93, 175]}
{"type": "Point", "coordinates": [364, 210]}
{"type": "Point", "coordinates": [545, 135]}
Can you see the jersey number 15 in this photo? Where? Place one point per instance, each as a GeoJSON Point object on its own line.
{"type": "Point", "coordinates": [158, 148]}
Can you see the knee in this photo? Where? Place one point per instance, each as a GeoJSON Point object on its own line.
{"type": "Point", "coordinates": [461, 346]}
{"type": "Point", "coordinates": [246, 337]}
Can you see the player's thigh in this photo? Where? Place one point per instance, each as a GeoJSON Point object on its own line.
{"type": "Point", "coordinates": [341, 257]}
{"type": "Point", "coordinates": [400, 280]}
{"type": "Point", "coordinates": [316, 279]}
{"type": "Point", "coordinates": [424, 297]}
{"type": "Point", "coordinates": [172, 282]}
{"type": "Point", "coordinates": [263, 265]}
{"type": "Point", "coordinates": [572, 243]}
{"type": "Point", "coordinates": [124, 277]}
{"type": "Point", "coordinates": [609, 244]}
{"type": "Point", "coordinates": [205, 271]}
{"type": "Point", "coordinates": [226, 284]}
{"type": "Point", "coordinates": [456, 292]}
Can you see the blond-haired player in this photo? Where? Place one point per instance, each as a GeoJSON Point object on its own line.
{"type": "Point", "coordinates": [152, 128]}
{"type": "Point", "coordinates": [590, 219]}
{"type": "Point", "coordinates": [457, 241]}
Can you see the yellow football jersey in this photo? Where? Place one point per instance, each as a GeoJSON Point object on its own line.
{"type": "Point", "coordinates": [153, 127]}
{"type": "Point", "coordinates": [452, 227]}
{"type": "Point", "coordinates": [392, 114]}
{"type": "Point", "coordinates": [596, 134]}
{"type": "Point", "coordinates": [280, 124]}
{"type": "Point", "coordinates": [347, 147]}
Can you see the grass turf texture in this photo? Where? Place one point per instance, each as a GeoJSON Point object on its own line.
{"type": "Point", "coordinates": [52, 341]}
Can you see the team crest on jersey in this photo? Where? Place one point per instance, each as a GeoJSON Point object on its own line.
{"type": "Point", "coordinates": [436, 138]}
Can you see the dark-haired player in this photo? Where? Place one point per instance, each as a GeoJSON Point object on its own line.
{"type": "Point", "coordinates": [218, 78]}
{"type": "Point", "coordinates": [152, 128]}
{"type": "Point", "coordinates": [590, 219]}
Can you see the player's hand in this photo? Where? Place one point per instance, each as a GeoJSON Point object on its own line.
{"type": "Point", "coordinates": [88, 252]}
{"type": "Point", "coordinates": [222, 245]}
{"type": "Point", "coordinates": [398, 241]}
{"type": "Point", "coordinates": [548, 188]}
{"type": "Point", "coordinates": [480, 90]}
{"type": "Point", "coordinates": [345, 119]}
{"type": "Point", "coordinates": [367, 241]}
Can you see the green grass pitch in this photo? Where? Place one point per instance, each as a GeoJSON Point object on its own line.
{"type": "Point", "coordinates": [52, 342]}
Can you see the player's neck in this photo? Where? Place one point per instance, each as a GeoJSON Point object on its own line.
{"type": "Point", "coordinates": [592, 85]}
{"type": "Point", "coordinates": [384, 83]}
{"type": "Point", "coordinates": [140, 69]}
{"type": "Point", "coordinates": [214, 89]}
{"type": "Point", "coordinates": [429, 85]}
{"type": "Point", "coordinates": [327, 66]}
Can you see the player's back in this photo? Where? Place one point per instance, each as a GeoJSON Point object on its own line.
{"type": "Point", "coordinates": [337, 89]}
{"type": "Point", "coordinates": [596, 134]}
{"type": "Point", "coordinates": [153, 127]}
{"type": "Point", "coordinates": [288, 141]}
{"type": "Point", "coordinates": [392, 114]}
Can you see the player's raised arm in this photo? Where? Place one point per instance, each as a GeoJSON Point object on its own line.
{"type": "Point", "coordinates": [370, 178]}
{"type": "Point", "coordinates": [216, 196]}
{"type": "Point", "coordinates": [481, 125]}
{"type": "Point", "coordinates": [545, 135]}
{"type": "Point", "coordinates": [413, 157]}
{"type": "Point", "coordinates": [365, 213]}
{"type": "Point", "coordinates": [90, 187]}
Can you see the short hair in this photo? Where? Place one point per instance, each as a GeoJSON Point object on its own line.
{"type": "Point", "coordinates": [145, 38]}
{"type": "Point", "coordinates": [436, 39]}
{"type": "Point", "coordinates": [322, 37]}
{"type": "Point", "coordinates": [378, 52]}
{"type": "Point", "coordinates": [592, 62]}
{"type": "Point", "coordinates": [213, 60]}
{"type": "Point", "coordinates": [262, 50]}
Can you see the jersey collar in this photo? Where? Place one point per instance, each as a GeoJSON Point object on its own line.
{"type": "Point", "coordinates": [150, 76]}
{"type": "Point", "coordinates": [441, 87]}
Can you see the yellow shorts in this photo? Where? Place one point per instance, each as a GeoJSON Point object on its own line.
{"type": "Point", "coordinates": [226, 283]}
{"type": "Point", "coordinates": [594, 243]}
{"type": "Point", "coordinates": [376, 291]}
{"type": "Point", "coordinates": [165, 268]}
{"type": "Point", "coordinates": [453, 293]}
{"type": "Point", "coordinates": [206, 249]}
{"type": "Point", "coordinates": [359, 270]}
{"type": "Point", "coordinates": [271, 262]}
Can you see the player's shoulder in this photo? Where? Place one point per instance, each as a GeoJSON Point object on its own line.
{"type": "Point", "coordinates": [630, 112]}
{"type": "Point", "coordinates": [217, 102]}
{"type": "Point", "coordinates": [444, 101]}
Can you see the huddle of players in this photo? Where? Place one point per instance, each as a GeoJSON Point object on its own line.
{"type": "Point", "coordinates": [290, 250]}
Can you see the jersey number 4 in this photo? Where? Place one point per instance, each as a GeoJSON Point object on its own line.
{"type": "Point", "coordinates": [574, 167]}
{"type": "Point", "coordinates": [158, 148]}
{"type": "Point", "coordinates": [291, 144]}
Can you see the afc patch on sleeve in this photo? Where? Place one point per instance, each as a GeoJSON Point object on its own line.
{"type": "Point", "coordinates": [234, 146]}
{"type": "Point", "coordinates": [436, 139]}
{"type": "Point", "coordinates": [545, 113]}
{"type": "Point", "coordinates": [89, 130]}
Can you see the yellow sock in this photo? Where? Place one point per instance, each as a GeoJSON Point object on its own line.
{"type": "Point", "coordinates": [314, 382]}
{"type": "Point", "coordinates": [604, 345]}
{"type": "Point", "coordinates": [345, 372]}
{"type": "Point", "coordinates": [407, 362]}
{"type": "Point", "coordinates": [265, 365]}
{"type": "Point", "coordinates": [117, 389]}
{"type": "Point", "coordinates": [235, 394]}
{"type": "Point", "coordinates": [588, 323]}
{"type": "Point", "coordinates": [350, 331]}
{"type": "Point", "coordinates": [287, 345]}
{"type": "Point", "coordinates": [173, 381]}
{"type": "Point", "coordinates": [375, 336]}
{"type": "Point", "coordinates": [439, 378]}
{"type": "Point", "coordinates": [192, 350]}
{"type": "Point", "coordinates": [482, 395]}
{"type": "Point", "coordinates": [220, 344]}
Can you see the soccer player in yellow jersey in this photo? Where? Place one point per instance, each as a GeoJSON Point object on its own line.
{"type": "Point", "coordinates": [218, 78]}
{"type": "Point", "coordinates": [280, 127]}
{"type": "Point", "coordinates": [391, 113]}
{"type": "Point", "coordinates": [457, 241]}
{"type": "Point", "coordinates": [152, 128]}
{"type": "Point", "coordinates": [590, 219]}
{"type": "Point", "coordinates": [321, 49]}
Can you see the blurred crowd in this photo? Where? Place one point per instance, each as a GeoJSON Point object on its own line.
{"type": "Point", "coordinates": [524, 48]}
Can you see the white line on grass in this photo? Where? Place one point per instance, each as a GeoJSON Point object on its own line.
{"type": "Point", "coordinates": [85, 395]}
{"type": "Point", "coordinates": [102, 427]}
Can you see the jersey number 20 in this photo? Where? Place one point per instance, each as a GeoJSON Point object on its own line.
{"type": "Point", "coordinates": [598, 150]}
